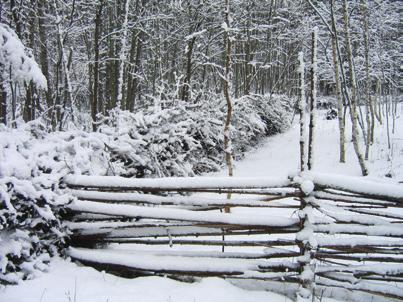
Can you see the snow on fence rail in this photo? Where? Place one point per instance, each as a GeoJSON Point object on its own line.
{"type": "Point", "coordinates": [329, 235]}
{"type": "Point", "coordinates": [175, 183]}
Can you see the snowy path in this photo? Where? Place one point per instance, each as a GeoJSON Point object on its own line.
{"type": "Point", "coordinates": [67, 281]}
{"type": "Point", "coordinates": [279, 155]}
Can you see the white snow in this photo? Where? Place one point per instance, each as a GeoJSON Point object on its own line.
{"type": "Point", "coordinates": [154, 262]}
{"type": "Point", "coordinates": [16, 61]}
{"type": "Point", "coordinates": [67, 281]}
{"type": "Point", "coordinates": [356, 185]}
{"type": "Point", "coordinates": [179, 214]}
{"type": "Point", "coordinates": [307, 187]}
{"type": "Point", "coordinates": [177, 182]}
{"type": "Point", "coordinates": [174, 200]}
{"type": "Point", "coordinates": [279, 156]}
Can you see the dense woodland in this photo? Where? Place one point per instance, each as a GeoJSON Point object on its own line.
{"type": "Point", "coordinates": [131, 54]}
{"type": "Point", "coordinates": [141, 88]}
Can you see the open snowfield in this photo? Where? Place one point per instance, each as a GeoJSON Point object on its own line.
{"type": "Point", "coordinates": [278, 156]}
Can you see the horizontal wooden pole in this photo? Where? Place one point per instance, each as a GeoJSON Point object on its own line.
{"type": "Point", "coordinates": [384, 290]}
{"type": "Point", "coordinates": [174, 183]}
{"type": "Point", "coordinates": [178, 231]}
{"type": "Point", "coordinates": [357, 185]}
{"type": "Point", "coordinates": [361, 258]}
{"type": "Point", "coordinates": [232, 243]}
{"type": "Point", "coordinates": [179, 215]}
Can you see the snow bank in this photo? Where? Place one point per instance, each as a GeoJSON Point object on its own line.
{"type": "Point", "coordinates": [67, 281]}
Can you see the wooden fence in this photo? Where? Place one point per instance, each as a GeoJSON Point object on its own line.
{"type": "Point", "coordinates": [324, 235]}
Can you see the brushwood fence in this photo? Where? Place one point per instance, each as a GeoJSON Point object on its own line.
{"type": "Point", "coordinates": [323, 235]}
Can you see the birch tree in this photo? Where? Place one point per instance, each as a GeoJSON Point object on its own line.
{"type": "Point", "coordinates": [302, 112]}
{"type": "Point", "coordinates": [122, 56]}
{"type": "Point", "coordinates": [353, 87]}
{"type": "Point", "coordinates": [370, 116]}
{"type": "Point", "coordinates": [173, 50]}
{"type": "Point", "coordinates": [339, 95]}
{"type": "Point", "coordinates": [227, 90]}
{"type": "Point", "coordinates": [313, 102]}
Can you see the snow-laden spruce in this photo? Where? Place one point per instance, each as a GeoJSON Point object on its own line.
{"type": "Point", "coordinates": [175, 141]}
{"type": "Point", "coordinates": [16, 63]}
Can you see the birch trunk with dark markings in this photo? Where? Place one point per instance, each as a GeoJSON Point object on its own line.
{"type": "Point", "coordinates": [226, 85]}
{"type": "Point", "coordinates": [369, 108]}
{"type": "Point", "coordinates": [339, 95]}
{"type": "Point", "coordinates": [302, 112]}
{"type": "Point", "coordinates": [353, 87]}
{"type": "Point", "coordinates": [94, 103]}
{"type": "Point", "coordinates": [312, 111]}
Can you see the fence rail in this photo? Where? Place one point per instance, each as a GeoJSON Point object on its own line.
{"type": "Point", "coordinates": [330, 235]}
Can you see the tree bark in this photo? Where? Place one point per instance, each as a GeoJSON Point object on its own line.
{"type": "Point", "coordinates": [302, 112]}
{"type": "Point", "coordinates": [226, 85]}
{"type": "Point", "coordinates": [312, 115]}
{"type": "Point", "coordinates": [186, 82]}
{"type": "Point", "coordinates": [44, 59]}
{"type": "Point", "coordinates": [3, 103]}
{"type": "Point", "coordinates": [68, 102]}
{"type": "Point", "coordinates": [339, 96]}
{"type": "Point", "coordinates": [122, 58]}
{"type": "Point", "coordinates": [370, 116]}
{"type": "Point", "coordinates": [353, 99]}
{"type": "Point", "coordinates": [94, 107]}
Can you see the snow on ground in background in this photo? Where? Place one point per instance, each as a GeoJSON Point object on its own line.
{"type": "Point", "coordinates": [280, 153]}
{"type": "Point", "coordinates": [277, 157]}
{"type": "Point", "coordinates": [68, 282]}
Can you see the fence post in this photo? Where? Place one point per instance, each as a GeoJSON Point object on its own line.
{"type": "Point", "coordinates": [306, 243]}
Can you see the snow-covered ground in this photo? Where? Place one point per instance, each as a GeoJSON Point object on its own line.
{"type": "Point", "coordinates": [68, 281]}
{"type": "Point", "coordinates": [280, 154]}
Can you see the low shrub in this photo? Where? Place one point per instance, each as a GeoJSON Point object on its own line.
{"type": "Point", "coordinates": [181, 139]}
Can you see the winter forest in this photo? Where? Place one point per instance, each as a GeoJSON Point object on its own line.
{"type": "Point", "coordinates": [185, 150]}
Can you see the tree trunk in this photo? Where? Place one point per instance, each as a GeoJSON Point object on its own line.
{"type": "Point", "coordinates": [186, 82]}
{"type": "Point", "coordinates": [3, 103]}
{"type": "Point", "coordinates": [94, 107]}
{"type": "Point", "coordinates": [16, 18]}
{"type": "Point", "coordinates": [370, 119]}
{"type": "Point", "coordinates": [3, 92]}
{"type": "Point", "coordinates": [302, 112]}
{"type": "Point", "coordinates": [44, 61]}
{"type": "Point", "coordinates": [226, 85]}
{"type": "Point", "coordinates": [110, 81]}
{"type": "Point", "coordinates": [135, 88]}
{"type": "Point", "coordinates": [378, 106]}
{"type": "Point", "coordinates": [68, 103]}
{"type": "Point", "coordinates": [353, 99]}
{"type": "Point", "coordinates": [122, 58]}
{"type": "Point", "coordinates": [30, 106]}
{"type": "Point", "coordinates": [312, 115]}
{"type": "Point", "coordinates": [248, 56]}
{"type": "Point", "coordinates": [340, 103]}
